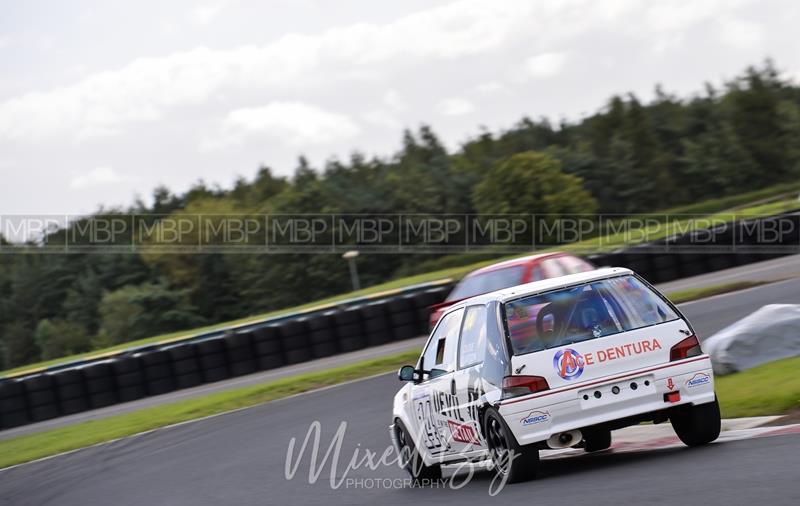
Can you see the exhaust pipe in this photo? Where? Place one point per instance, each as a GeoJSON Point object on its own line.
{"type": "Point", "coordinates": [565, 439]}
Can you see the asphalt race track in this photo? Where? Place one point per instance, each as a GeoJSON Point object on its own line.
{"type": "Point", "coordinates": [239, 457]}
{"type": "Point", "coordinates": [715, 313]}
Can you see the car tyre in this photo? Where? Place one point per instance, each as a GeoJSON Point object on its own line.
{"type": "Point", "coordinates": [410, 458]}
{"type": "Point", "coordinates": [516, 463]}
{"type": "Point", "coordinates": [697, 425]}
{"type": "Point", "coordinates": [597, 441]}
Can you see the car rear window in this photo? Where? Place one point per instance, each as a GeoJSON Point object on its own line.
{"type": "Point", "coordinates": [486, 282]}
{"type": "Point", "coordinates": [583, 312]}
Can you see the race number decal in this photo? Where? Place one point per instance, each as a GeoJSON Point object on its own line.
{"type": "Point", "coordinates": [428, 423]}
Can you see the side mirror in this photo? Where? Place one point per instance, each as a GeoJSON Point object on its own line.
{"type": "Point", "coordinates": [406, 373]}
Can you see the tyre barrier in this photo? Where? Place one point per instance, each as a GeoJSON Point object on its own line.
{"type": "Point", "coordinates": [213, 359]}
{"type": "Point", "coordinates": [349, 332]}
{"type": "Point", "coordinates": [423, 301]}
{"type": "Point", "coordinates": [322, 335]}
{"type": "Point", "coordinates": [129, 378]}
{"type": "Point", "coordinates": [185, 365]}
{"type": "Point", "coordinates": [295, 342]}
{"type": "Point", "coordinates": [157, 368]}
{"type": "Point", "coordinates": [268, 347]}
{"type": "Point", "coordinates": [101, 388]}
{"type": "Point", "coordinates": [374, 322]}
{"type": "Point", "coordinates": [41, 396]}
{"type": "Point", "coordinates": [13, 405]}
{"type": "Point", "coordinates": [403, 317]}
{"type": "Point", "coordinates": [71, 391]}
{"type": "Point", "coordinates": [240, 353]}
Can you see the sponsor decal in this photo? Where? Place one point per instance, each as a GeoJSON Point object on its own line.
{"type": "Point", "coordinates": [622, 351]}
{"type": "Point", "coordinates": [698, 379]}
{"type": "Point", "coordinates": [420, 394]}
{"type": "Point", "coordinates": [463, 433]}
{"type": "Point", "coordinates": [568, 363]}
{"type": "Point", "coordinates": [535, 417]}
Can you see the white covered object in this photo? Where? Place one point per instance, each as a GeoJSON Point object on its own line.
{"type": "Point", "coordinates": [771, 333]}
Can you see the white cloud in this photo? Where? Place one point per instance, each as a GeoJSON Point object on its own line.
{"type": "Point", "coordinates": [99, 176]}
{"type": "Point", "coordinates": [491, 87]}
{"type": "Point", "coordinates": [205, 14]}
{"type": "Point", "coordinates": [141, 91]}
{"type": "Point", "coordinates": [150, 89]}
{"type": "Point", "coordinates": [455, 107]}
{"type": "Point", "coordinates": [382, 118]}
{"type": "Point", "coordinates": [393, 99]}
{"type": "Point", "coordinates": [292, 123]}
{"type": "Point", "coordinates": [666, 22]}
{"type": "Point", "coordinates": [545, 65]}
{"type": "Point", "coordinates": [740, 34]}
{"type": "Point", "coordinates": [671, 15]}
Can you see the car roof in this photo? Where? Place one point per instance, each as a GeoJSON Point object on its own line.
{"type": "Point", "coordinates": [545, 285]}
{"type": "Point", "coordinates": [514, 262]}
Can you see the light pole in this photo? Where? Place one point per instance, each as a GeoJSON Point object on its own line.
{"type": "Point", "coordinates": [350, 256]}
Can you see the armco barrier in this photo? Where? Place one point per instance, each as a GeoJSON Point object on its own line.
{"type": "Point", "coordinates": [354, 324]}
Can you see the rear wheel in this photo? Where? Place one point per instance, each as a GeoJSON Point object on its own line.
{"type": "Point", "coordinates": [410, 458]}
{"type": "Point", "coordinates": [517, 463]}
{"type": "Point", "coordinates": [596, 441]}
{"type": "Point", "coordinates": [697, 425]}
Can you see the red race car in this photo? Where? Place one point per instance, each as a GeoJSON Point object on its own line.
{"type": "Point", "coordinates": [511, 273]}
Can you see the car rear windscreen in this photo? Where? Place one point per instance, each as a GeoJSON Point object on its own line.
{"type": "Point", "coordinates": [583, 312]}
{"type": "Point", "coordinates": [486, 282]}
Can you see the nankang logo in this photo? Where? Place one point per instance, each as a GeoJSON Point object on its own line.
{"type": "Point", "coordinates": [698, 379]}
{"type": "Point", "coordinates": [568, 363]}
{"type": "Point", "coordinates": [535, 417]}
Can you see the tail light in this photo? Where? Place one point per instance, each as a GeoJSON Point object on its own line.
{"type": "Point", "coordinates": [514, 386]}
{"type": "Point", "coordinates": [689, 347]}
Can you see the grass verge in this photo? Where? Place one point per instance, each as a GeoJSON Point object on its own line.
{"type": "Point", "coordinates": [769, 389]}
{"type": "Point", "coordinates": [681, 296]}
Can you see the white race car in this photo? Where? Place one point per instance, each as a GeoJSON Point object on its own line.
{"type": "Point", "coordinates": [551, 364]}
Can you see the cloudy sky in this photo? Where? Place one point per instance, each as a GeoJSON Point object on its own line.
{"type": "Point", "coordinates": [102, 100]}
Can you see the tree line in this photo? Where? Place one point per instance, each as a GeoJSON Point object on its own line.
{"type": "Point", "coordinates": [628, 157]}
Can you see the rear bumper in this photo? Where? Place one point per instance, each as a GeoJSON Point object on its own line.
{"type": "Point", "coordinates": [536, 417]}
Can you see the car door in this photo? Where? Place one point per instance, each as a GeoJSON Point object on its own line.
{"type": "Point", "coordinates": [467, 382]}
{"type": "Point", "coordinates": [433, 402]}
